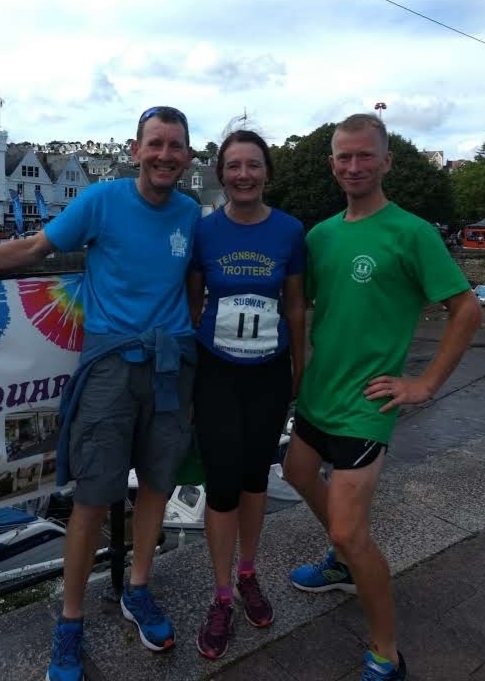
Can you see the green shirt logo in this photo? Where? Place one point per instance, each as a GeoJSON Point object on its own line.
{"type": "Point", "coordinates": [362, 268]}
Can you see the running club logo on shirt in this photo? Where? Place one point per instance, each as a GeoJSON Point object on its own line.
{"type": "Point", "coordinates": [362, 268]}
{"type": "Point", "coordinates": [246, 264]}
{"type": "Point", "coordinates": [178, 243]}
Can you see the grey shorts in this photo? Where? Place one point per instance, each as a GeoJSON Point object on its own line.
{"type": "Point", "coordinates": [116, 428]}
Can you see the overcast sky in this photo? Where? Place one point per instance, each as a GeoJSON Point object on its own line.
{"type": "Point", "coordinates": [85, 69]}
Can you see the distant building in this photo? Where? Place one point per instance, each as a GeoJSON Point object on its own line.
{"type": "Point", "coordinates": [124, 158]}
{"type": "Point", "coordinates": [201, 182]}
{"type": "Point", "coordinates": [436, 158]}
{"type": "Point", "coordinates": [98, 165]}
{"type": "Point", "coordinates": [25, 173]}
{"type": "Point", "coordinates": [59, 177]}
{"type": "Point", "coordinates": [119, 170]}
{"type": "Point", "coordinates": [454, 165]}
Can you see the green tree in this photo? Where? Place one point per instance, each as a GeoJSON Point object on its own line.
{"type": "Point", "coordinates": [416, 184]}
{"type": "Point", "coordinates": [292, 141]}
{"type": "Point", "coordinates": [211, 149]}
{"type": "Point", "coordinates": [480, 155]}
{"type": "Point", "coordinates": [210, 152]}
{"type": "Point", "coordinates": [304, 184]}
{"type": "Point", "coordinates": [468, 184]}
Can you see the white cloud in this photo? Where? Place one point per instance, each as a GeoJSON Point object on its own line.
{"type": "Point", "coordinates": [86, 69]}
{"type": "Point", "coordinates": [469, 147]}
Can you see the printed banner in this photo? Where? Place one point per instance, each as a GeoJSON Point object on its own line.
{"type": "Point", "coordinates": [41, 205]}
{"type": "Point", "coordinates": [40, 340]}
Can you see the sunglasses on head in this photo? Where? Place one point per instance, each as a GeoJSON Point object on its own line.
{"type": "Point", "coordinates": [164, 110]}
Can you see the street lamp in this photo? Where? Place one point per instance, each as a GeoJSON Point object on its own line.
{"type": "Point", "coordinates": [379, 107]}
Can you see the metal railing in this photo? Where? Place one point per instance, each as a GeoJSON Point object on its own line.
{"type": "Point", "coordinates": [115, 555]}
{"type": "Point", "coordinates": [55, 263]}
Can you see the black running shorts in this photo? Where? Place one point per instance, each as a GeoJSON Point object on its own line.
{"type": "Point", "coordinates": [343, 452]}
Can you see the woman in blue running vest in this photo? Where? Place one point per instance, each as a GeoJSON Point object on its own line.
{"type": "Point", "coordinates": [250, 257]}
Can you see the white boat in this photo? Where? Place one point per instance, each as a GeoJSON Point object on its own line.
{"type": "Point", "coordinates": [186, 506]}
{"type": "Point", "coordinates": [28, 544]}
{"type": "Point", "coordinates": [184, 516]}
{"type": "Point", "coordinates": [31, 544]}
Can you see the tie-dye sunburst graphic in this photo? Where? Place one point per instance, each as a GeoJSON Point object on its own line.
{"type": "Point", "coordinates": [4, 310]}
{"type": "Point", "coordinates": [54, 306]}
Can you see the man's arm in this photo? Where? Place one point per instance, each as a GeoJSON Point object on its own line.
{"type": "Point", "coordinates": [465, 317]}
{"type": "Point", "coordinates": [294, 308]}
{"type": "Point", "coordinates": [21, 253]}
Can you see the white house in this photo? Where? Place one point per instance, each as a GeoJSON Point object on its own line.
{"type": "Point", "coordinates": [201, 181]}
{"type": "Point", "coordinates": [435, 158]}
{"type": "Point", "coordinates": [59, 178]}
{"type": "Point", "coordinates": [69, 179]}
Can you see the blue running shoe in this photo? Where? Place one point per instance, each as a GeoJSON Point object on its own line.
{"type": "Point", "coordinates": [382, 671]}
{"type": "Point", "coordinates": [67, 652]}
{"type": "Point", "coordinates": [155, 629]}
{"type": "Point", "coordinates": [324, 576]}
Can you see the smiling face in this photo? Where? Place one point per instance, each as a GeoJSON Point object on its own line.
{"type": "Point", "coordinates": [163, 156]}
{"type": "Point", "coordinates": [359, 161]}
{"type": "Point", "coordinates": [244, 173]}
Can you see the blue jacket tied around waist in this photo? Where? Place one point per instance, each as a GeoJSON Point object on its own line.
{"type": "Point", "coordinates": [166, 352]}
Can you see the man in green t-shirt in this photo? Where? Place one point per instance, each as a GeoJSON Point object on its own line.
{"type": "Point", "coordinates": [371, 269]}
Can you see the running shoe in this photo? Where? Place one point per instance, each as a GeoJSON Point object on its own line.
{"type": "Point", "coordinates": [382, 671]}
{"type": "Point", "coordinates": [155, 629]}
{"type": "Point", "coordinates": [213, 638]}
{"type": "Point", "coordinates": [67, 652]}
{"type": "Point", "coordinates": [326, 575]}
{"type": "Point", "coordinates": [257, 608]}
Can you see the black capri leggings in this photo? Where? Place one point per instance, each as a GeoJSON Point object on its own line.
{"type": "Point", "coordinates": [240, 411]}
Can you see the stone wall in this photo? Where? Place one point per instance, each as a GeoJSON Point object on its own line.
{"type": "Point", "coordinates": [473, 266]}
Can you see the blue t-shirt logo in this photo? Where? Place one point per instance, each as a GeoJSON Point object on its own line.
{"type": "Point", "coordinates": [178, 243]}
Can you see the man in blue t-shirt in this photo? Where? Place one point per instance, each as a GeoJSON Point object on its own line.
{"type": "Point", "coordinates": [128, 403]}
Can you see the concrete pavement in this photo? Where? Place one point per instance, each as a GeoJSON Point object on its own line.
{"type": "Point", "coordinates": [441, 608]}
{"type": "Point", "coordinates": [429, 518]}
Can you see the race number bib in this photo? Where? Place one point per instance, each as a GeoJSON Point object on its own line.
{"type": "Point", "coordinates": [247, 326]}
